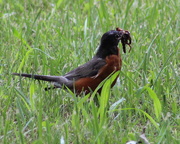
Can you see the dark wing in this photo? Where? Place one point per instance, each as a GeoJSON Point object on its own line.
{"type": "Point", "coordinates": [88, 69]}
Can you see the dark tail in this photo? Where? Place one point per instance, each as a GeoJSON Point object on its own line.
{"type": "Point", "coordinates": [39, 77]}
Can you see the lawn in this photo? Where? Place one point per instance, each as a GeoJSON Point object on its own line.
{"type": "Point", "coordinates": [54, 37]}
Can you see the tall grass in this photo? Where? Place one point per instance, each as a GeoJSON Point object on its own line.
{"type": "Point", "coordinates": [53, 37]}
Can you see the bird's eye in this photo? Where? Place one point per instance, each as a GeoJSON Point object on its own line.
{"type": "Point", "coordinates": [117, 36]}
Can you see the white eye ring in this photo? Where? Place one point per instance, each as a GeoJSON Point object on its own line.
{"type": "Point", "coordinates": [117, 36]}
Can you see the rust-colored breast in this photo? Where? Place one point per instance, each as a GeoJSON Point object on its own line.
{"type": "Point", "coordinates": [87, 85]}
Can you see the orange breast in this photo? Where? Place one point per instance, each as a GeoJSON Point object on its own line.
{"type": "Point", "coordinates": [113, 64]}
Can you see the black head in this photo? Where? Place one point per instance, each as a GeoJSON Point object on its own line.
{"type": "Point", "coordinates": [109, 43]}
{"type": "Point", "coordinates": [111, 38]}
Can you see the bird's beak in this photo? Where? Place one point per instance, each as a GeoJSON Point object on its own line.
{"type": "Point", "coordinates": [125, 38]}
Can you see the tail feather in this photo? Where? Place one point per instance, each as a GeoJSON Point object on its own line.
{"type": "Point", "coordinates": [39, 77]}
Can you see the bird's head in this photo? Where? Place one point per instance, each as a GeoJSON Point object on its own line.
{"type": "Point", "coordinates": [113, 37]}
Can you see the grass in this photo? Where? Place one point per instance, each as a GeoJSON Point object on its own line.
{"type": "Point", "coordinates": [53, 37]}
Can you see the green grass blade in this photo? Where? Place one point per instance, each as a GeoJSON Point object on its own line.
{"type": "Point", "coordinates": [156, 101]}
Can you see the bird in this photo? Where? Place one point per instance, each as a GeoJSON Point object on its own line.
{"type": "Point", "coordinates": [86, 78]}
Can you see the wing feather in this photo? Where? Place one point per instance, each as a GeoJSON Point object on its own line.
{"type": "Point", "coordinates": [88, 69]}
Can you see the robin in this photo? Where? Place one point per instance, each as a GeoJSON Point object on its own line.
{"type": "Point", "coordinates": [88, 76]}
